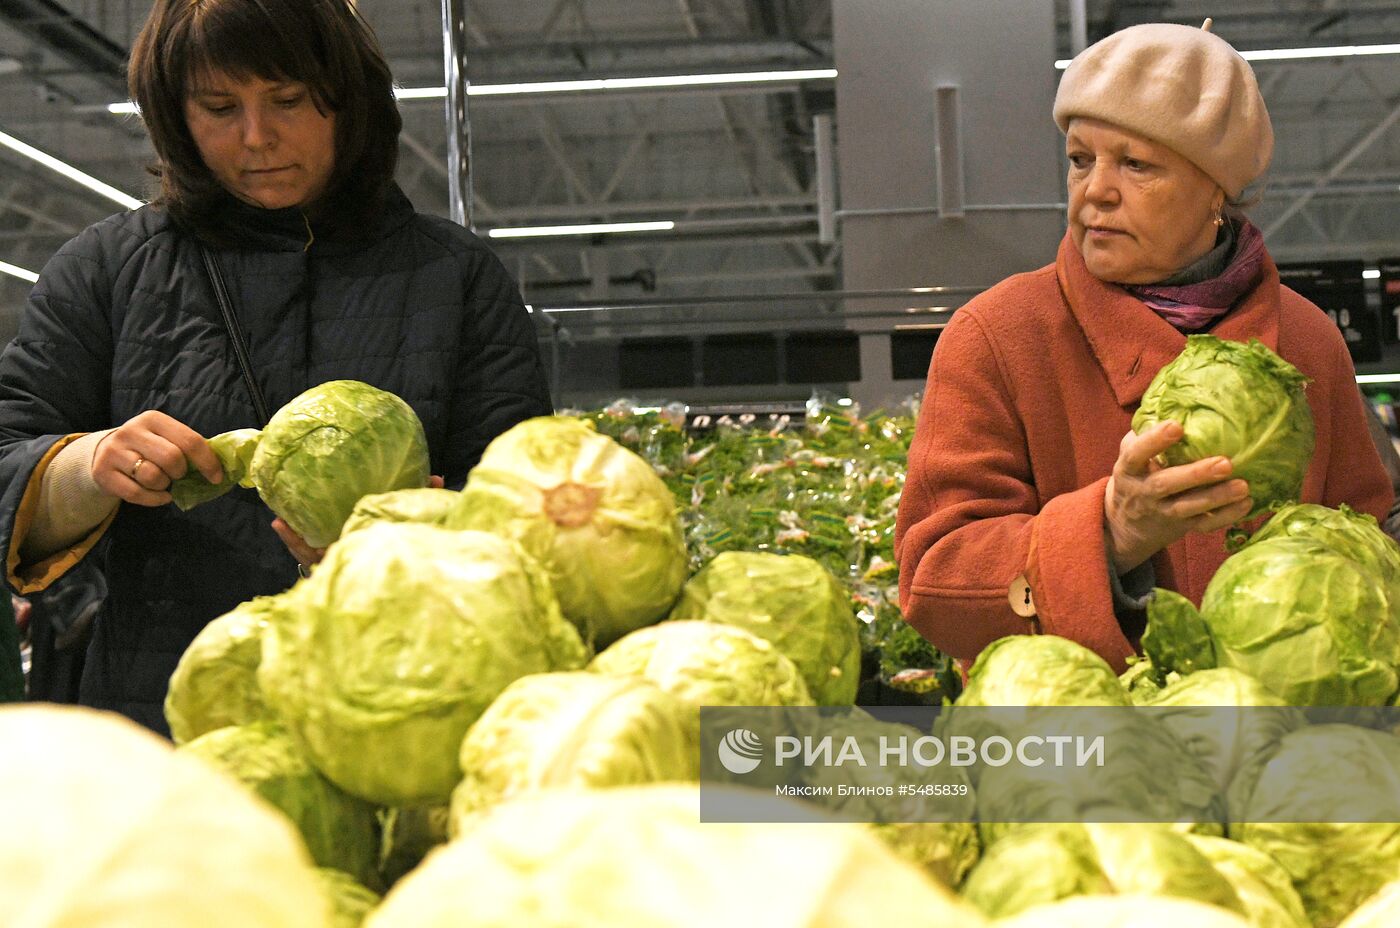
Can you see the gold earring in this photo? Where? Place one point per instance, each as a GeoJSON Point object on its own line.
{"type": "Point", "coordinates": [1219, 219]}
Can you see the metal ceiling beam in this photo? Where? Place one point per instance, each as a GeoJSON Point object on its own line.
{"type": "Point", "coordinates": [50, 24]}
{"type": "Point", "coordinates": [1338, 168]}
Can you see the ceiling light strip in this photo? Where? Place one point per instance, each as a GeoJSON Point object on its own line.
{"type": "Point", "coordinates": [68, 171]}
{"type": "Point", "coordinates": [595, 228]}
{"type": "Point", "coordinates": [595, 85]}
{"type": "Point", "coordinates": [1296, 54]}
{"type": "Point", "coordinates": [16, 271]}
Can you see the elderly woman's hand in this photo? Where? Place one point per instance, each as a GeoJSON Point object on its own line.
{"type": "Point", "coordinates": [1147, 506]}
{"type": "Point", "coordinates": [137, 460]}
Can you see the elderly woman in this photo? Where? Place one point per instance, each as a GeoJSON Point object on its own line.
{"type": "Point", "coordinates": [276, 135]}
{"type": "Point", "coordinates": [1027, 507]}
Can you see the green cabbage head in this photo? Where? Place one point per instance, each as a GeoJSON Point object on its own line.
{"type": "Point", "coordinates": [639, 856]}
{"type": "Point", "coordinates": [1141, 756]}
{"type": "Point", "coordinates": [426, 505]}
{"type": "Point", "coordinates": [1041, 670]}
{"type": "Point", "coordinates": [1382, 910]}
{"type": "Point", "coordinates": [792, 601]}
{"type": "Point", "coordinates": [574, 729]}
{"type": "Point", "coordinates": [404, 634]}
{"type": "Point", "coordinates": [1036, 866]}
{"type": "Point", "coordinates": [1228, 721]}
{"type": "Point", "coordinates": [593, 513]}
{"type": "Point", "coordinates": [330, 446]}
{"type": "Point", "coordinates": [107, 825]}
{"type": "Point", "coordinates": [340, 831]}
{"type": "Point", "coordinates": [1240, 401]}
{"type": "Point", "coordinates": [706, 664]}
{"type": "Point", "coordinates": [1325, 806]}
{"type": "Point", "coordinates": [350, 900]}
{"type": "Point", "coordinates": [216, 682]}
{"type": "Point", "coordinates": [1309, 623]}
{"type": "Point", "coordinates": [1268, 896]}
{"type": "Point", "coordinates": [941, 839]}
{"type": "Point", "coordinates": [1346, 531]}
{"type": "Point", "coordinates": [1131, 911]}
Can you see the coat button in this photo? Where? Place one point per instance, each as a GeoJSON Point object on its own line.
{"type": "Point", "coordinates": [1019, 596]}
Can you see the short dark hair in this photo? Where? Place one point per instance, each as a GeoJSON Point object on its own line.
{"type": "Point", "coordinates": [324, 44]}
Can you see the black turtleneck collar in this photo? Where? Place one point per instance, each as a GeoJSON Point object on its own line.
{"type": "Point", "coordinates": [244, 226]}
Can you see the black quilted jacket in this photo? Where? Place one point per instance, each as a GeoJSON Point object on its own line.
{"type": "Point", "coordinates": [124, 319]}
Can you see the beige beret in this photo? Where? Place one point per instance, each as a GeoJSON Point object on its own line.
{"type": "Point", "coordinates": [1180, 86]}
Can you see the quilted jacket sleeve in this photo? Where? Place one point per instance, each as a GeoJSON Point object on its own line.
{"type": "Point", "coordinates": [501, 378]}
{"type": "Point", "coordinates": [55, 375]}
{"type": "Point", "coordinates": [971, 520]}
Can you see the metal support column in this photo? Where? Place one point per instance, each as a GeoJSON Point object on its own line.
{"type": "Point", "coordinates": [459, 162]}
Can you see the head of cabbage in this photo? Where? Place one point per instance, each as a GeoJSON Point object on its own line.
{"type": "Point", "coordinates": [792, 601]}
{"type": "Point", "coordinates": [1240, 401]}
{"type": "Point", "coordinates": [340, 830]}
{"type": "Point", "coordinates": [640, 856]}
{"type": "Point", "coordinates": [1041, 670]}
{"type": "Point", "coordinates": [425, 505]}
{"type": "Point", "coordinates": [1346, 531]}
{"type": "Point", "coordinates": [1135, 910]}
{"type": "Point", "coordinates": [120, 830]}
{"type": "Point", "coordinates": [216, 682]}
{"type": "Point", "coordinates": [330, 446]}
{"type": "Point", "coordinates": [707, 664]}
{"type": "Point", "coordinates": [573, 729]}
{"type": "Point", "coordinates": [1264, 887]}
{"type": "Point", "coordinates": [593, 513]}
{"type": "Point", "coordinates": [1228, 721]}
{"type": "Point", "coordinates": [1041, 865]}
{"type": "Point", "coordinates": [1326, 807]}
{"type": "Point", "coordinates": [1311, 624]}
{"type": "Point", "coordinates": [401, 638]}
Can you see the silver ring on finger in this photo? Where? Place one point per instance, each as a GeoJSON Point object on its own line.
{"type": "Point", "coordinates": [135, 468]}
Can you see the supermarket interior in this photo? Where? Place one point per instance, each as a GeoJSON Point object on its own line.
{"type": "Point", "coordinates": [662, 463]}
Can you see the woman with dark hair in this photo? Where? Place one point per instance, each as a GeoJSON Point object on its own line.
{"type": "Point", "coordinates": [275, 131]}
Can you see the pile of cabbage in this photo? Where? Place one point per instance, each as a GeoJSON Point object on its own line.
{"type": "Point", "coordinates": [1284, 816]}
{"type": "Point", "coordinates": [483, 708]}
{"type": "Point", "coordinates": [539, 630]}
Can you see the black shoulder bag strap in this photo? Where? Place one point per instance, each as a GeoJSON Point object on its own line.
{"type": "Point", "coordinates": [235, 334]}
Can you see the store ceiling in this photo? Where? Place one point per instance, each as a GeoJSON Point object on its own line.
{"type": "Point", "coordinates": [735, 169]}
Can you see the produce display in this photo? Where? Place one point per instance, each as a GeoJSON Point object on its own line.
{"type": "Point", "coordinates": [484, 703]}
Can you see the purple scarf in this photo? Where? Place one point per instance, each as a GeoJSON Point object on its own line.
{"type": "Point", "coordinates": [1193, 307]}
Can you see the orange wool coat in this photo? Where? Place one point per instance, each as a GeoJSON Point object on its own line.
{"type": "Point", "coordinates": [1031, 389]}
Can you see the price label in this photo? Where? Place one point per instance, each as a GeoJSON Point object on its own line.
{"type": "Point", "coordinates": [765, 420]}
